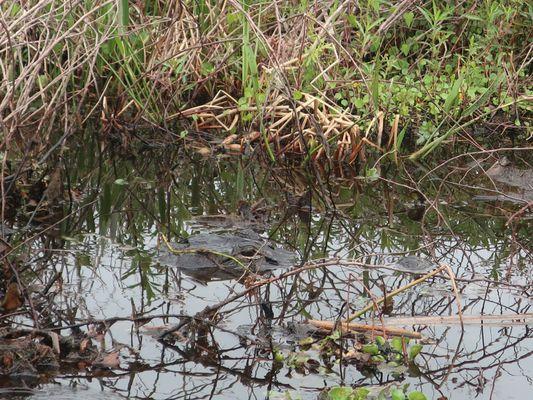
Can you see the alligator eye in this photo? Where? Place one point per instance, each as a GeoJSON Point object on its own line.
{"type": "Point", "coordinates": [271, 261]}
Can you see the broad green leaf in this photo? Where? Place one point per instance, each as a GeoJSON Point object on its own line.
{"type": "Point", "coordinates": [207, 68]}
{"type": "Point", "coordinates": [415, 395]}
{"type": "Point", "coordinates": [396, 344]}
{"type": "Point", "coordinates": [335, 335]}
{"type": "Point", "coordinates": [306, 341]}
{"type": "Point", "coordinates": [371, 174]}
{"type": "Point", "coordinates": [408, 18]}
{"type": "Point", "coordinates": [414, 350]}
{"type": "Point", "coordinates": [371, 349]}
{"type": "Point", "coordinates": [397, 394]}
{"type": "Point", "coordinates": [453, 94]}
{"type": "Point", "coordinates": [278, 356]}
{"type": "Point", "coordinates": [360, 394]}
{"type": "Point", "coordinates": [340, 393]}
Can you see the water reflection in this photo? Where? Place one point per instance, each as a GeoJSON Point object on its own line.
{"type": "Point", "coordinates": [100, 263]}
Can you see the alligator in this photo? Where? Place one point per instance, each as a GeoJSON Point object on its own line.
{"type": "Point", "coordinates": [225, 255]}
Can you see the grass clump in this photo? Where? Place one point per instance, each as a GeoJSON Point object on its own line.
{"type": "Point", "coordinates": [325, 79]}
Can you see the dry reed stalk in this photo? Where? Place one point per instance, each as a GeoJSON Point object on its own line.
{"type": "Point", "coordinates": [456, 293]}
{"type": "Point", "coordinates": [318, 121]}
{"type": "Point", "coordinates": [493, 320]}
{"type": "Point", "coordinates": [347, 327]}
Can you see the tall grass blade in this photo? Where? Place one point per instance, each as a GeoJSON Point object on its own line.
{"type": "Point", "coordinates": [453, 94]}
{"type": "Point", "coordinates": [484, 98]}
{"type": "Point", "coordinates": [124, 15]}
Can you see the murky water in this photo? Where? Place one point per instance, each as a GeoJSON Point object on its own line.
{"type": "Point", "coordinates": [107, 254]}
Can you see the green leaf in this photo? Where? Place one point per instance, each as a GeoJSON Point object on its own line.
{"type": "Point", "coordinates": [415, 395]}
{"type": "Point", "coordinates": [249, 92]}
{"type": "Point", "coordinates": [306, 341]}
{"type": "Point", "coordinates": [397, 394]}
{"type": "Point", "coordinates": [278, 356]}
{"type": "Point", "coordinates": [70, 239]}
{"type": "Point", "coordinates": [306, 314]}
{"type": "Point", "coordinates": [83, 260]}
{"type": "Point", "coordinates": [358, 103]}
{"type": "Point", "coordinates": [371, 349]}
{"type": "Point", "coordinates": [375, 84]}
{"type": "Point", "coordinates": [378, 359]}
{"type": "Point", "coordinates": [207, 68]}
{"type": "Point", "coordinates": [352, 19]}
{"type": "Point", "coordinates": [401, 135]}
{"type": "Point", "coordinates": [396, 344]}
{"type": "Point", "coordinates": [15, 8]}
{"type": "Point", "coordinates": [414, 350]}
{"type": "Point", "coordinates": [371, 174]}
{"type": "Point", "coordinates": [297, 95]}
{"type": "Point", "coordinates": [360, 394]}
{"type": "Point", "coordinates": [408, 18]}
{"type": "Point", "coordinates": [340, 393]}
{"type": "Point", "coordinates": [239, 184]}
{"type": "Point", "coordinates": [105, 207]}
{"type": "Point", "coordinates": [335, 335]}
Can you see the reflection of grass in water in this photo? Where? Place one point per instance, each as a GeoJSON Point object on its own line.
{"type": "Point", "coordinates": [137, 199]}
{"type": "Point", "coordinates": [157, 200]}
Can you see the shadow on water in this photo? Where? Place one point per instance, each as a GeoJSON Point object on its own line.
{"type": "Point", "coordinates": [98, 262]}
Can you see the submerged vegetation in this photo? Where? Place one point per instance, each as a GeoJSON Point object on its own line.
{"type": "Point", "coordinates": [334, 79]}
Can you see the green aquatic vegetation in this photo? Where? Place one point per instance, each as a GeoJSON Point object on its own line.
{"type": "Point", "coordinates": [317, 355]}
{"type": "Point", "coordinates": [347, 393]}
{"type": "Point", "coordinates": [394, 351]}
{"type": "Point", "coordinates": [363, 393]}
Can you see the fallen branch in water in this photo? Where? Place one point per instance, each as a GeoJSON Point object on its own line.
{"type": "Point", "coordinates": [493, 320]}
{"type": "Point", "coordinates": [378, 329]}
